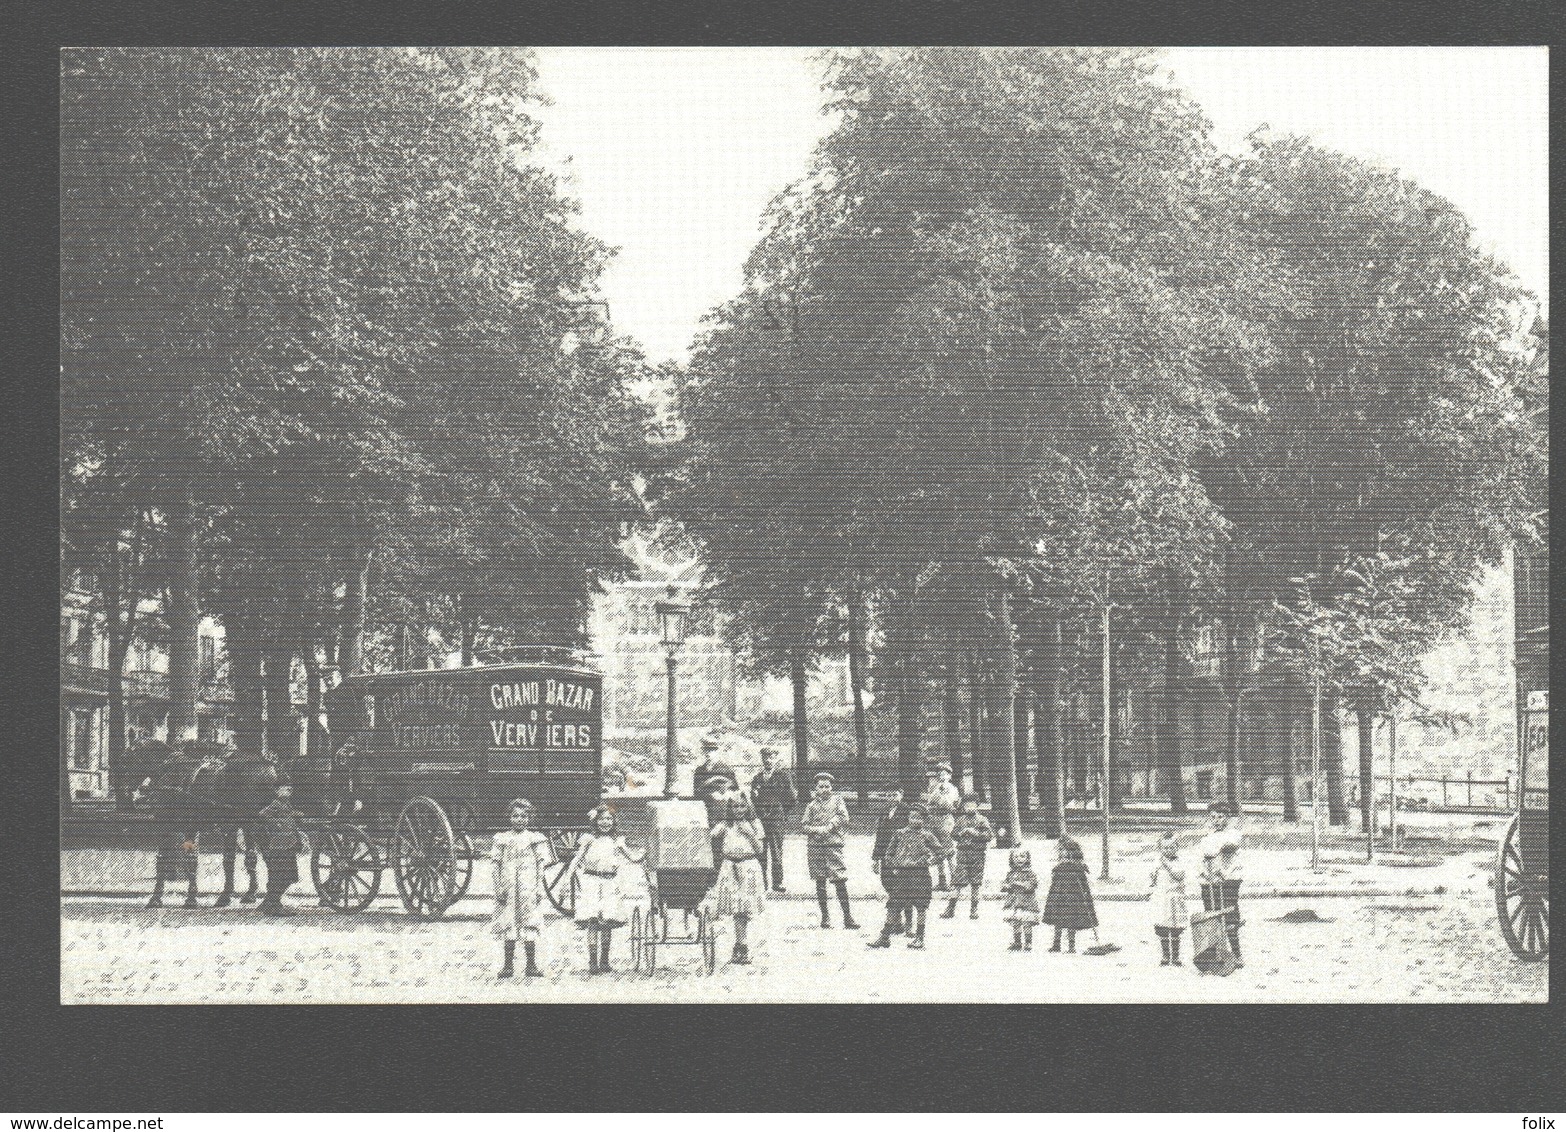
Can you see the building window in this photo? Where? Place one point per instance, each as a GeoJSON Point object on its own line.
{"type": "Point", "coordinates": [83, 739]}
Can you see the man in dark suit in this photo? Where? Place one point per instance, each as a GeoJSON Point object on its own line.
{"type": "Point", "coordinates": [712, 767]}
{"type": "Point", "coordinates": [774, 796]}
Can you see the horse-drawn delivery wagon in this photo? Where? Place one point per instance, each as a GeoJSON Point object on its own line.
{"type": "Point", "coordinates": [1522, 868]}
{"type": "Point", "coordinates": [432, 758]}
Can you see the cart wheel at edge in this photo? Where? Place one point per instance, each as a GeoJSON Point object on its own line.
{"type": "Point", "coordinates": [1522, 904]}
{"type": "Point", "coordinates": [423, 855]}
{"type": "Point", "coordinates": [345, 868]}
{"type": "Point", "coordinates": [636, 939]}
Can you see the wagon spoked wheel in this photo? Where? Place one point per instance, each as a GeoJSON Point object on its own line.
{"type": "Point", "coordinates": [1522, 901]}
{"type": "Point", "coordinates": [464, 864]}
{"type": "Point", "coordinates": [709, 941]}
{"type": "Point", "coordinates": [345, 868]}
{"type": "Point", "coordinates": [424, 858]}
{"type": "Point", "coordinates": [650, 936]}
{"type": "Point", "coordinates": [561, 894]}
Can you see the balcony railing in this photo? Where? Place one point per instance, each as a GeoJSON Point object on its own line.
{"type": "Point", "coordinates": [84, 678]}
{"type": "Point", "coordinates": [146, 685]}
{"type": "Point", "coordinates": [141, 684]}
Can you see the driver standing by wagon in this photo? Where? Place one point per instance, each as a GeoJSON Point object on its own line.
{"type": "Point", "coordinates": [709, 792]}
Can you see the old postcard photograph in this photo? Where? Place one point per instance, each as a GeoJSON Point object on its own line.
{"type": "Point", "coordinates": [799, 525]}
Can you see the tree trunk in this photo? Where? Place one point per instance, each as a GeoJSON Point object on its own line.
{"type": "Point", "coordinates": [316, 745]}
{"type": "Point", "coordinates": [282, 728]}
{"type": "Point", "coordinates": [1027, 778]}
{"type": "Point", "coordinates": [1282, 727]}
{"type": "Point", "coordinates": [910, 705]}
{"type": "Point", "coordinates": [350, 649]}
{"type": "Point", "coordinates": [120, 606]}
{"type": "Point", "coordinates": [1366, 718]}
{"type": "Point", "coordinates": [1049, 738]}
{"type": "Point", "coordinates": [116, 737]}
{"type": "Point", "coordinates": [797, 677]}
{"type": "Point", "coordinates": [184, 615]}
{"type": "Point", "coordinates": [244, 678]}
{"type": "Point", "coordinates": [1332, 758]}
{"type": "Point", "coordinates": [1171, 761]}
{"type": "Point", "coordinates": [1234, 693]}
{"type": "Point", "coordinates": [856, 678]}
{"type": "Point", "coordinates": [951, 727]}
{"type": "Point", "coordinates": [1007, 745]}
{"type": "Point", "coordinates": [978, 738]}
{"type": "Point", "coordinates": [469, 631]}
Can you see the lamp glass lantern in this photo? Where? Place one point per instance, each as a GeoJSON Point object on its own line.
{"type": "Point", "coordinates": [671, 622]}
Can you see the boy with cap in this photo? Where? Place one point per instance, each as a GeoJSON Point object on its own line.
{"type": "Point", "coordinates": [942, 800]}
{"type": "Point", "coordinates": [826, 819]}
{"type": "Point", "coordinates": [894, 818]}
{"type": "Point", "coordinates": [280, 845]}
{"type": "Point", "coordinates": [1221, 874]}
{"type": "Point", "coordinates": [972, 835]}
{"type": "Point", "coordinates": [772, 792]}
{"type": "Point", "coordinates": [905, 871]}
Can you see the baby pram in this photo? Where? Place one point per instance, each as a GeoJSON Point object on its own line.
{"type": "Point", "coordinates": [679, 873]}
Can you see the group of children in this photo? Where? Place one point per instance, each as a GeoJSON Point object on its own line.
{"type": "Point", "coordinates": [908, 846]}
{"type": "Point", "coordinates": [907, 849]}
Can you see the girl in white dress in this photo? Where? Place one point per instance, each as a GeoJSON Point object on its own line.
{"type": "Point", "coordinates": [600, 907]}
{"type": "Point", "coordinates": [519, 855]}
{"type": "Point", "coordinates": [740, 890]}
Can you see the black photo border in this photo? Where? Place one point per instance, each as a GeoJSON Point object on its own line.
{"type": "Point", "coordinates": [671, 1058]}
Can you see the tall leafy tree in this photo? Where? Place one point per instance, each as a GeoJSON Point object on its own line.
{"type": "Point", "coordinates": [1395, 414]}
{"type": "Point", "coordinates": [323, 304]}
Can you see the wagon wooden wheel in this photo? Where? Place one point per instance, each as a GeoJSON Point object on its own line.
{"type": "Point", "coordinates": [346, 868]}
{"type": "Point", "coordinates": [561, 894]}
{"type": "Point", "coordinates": [1522, 900]}
{"type": "Point", "coordinates": [424, 858]}
{"type": "Point", "coordinates": [465, 855]}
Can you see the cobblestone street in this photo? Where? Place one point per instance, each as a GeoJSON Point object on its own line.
{"type": "Point", "coordinates": [1389, 938]}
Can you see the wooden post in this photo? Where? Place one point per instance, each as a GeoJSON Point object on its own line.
{"type": "Point", "coordinates": [1392, 773]}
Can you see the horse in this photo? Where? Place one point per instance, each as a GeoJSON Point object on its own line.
{"type": "Point", "coordinates": [195, 787]}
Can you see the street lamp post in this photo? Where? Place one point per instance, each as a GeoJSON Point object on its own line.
{"type": "Point", "coordinates": [1104, 790]}
{"type": "Point", "coordinates": [671, 622]}
{"type": "Point", "coordinates": [1315, 755]}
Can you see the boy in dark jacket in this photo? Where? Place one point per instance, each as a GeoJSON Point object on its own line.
{"type": "Point", "coordinates": [280, 845]}
{"type": "Point", "coordinates": [894, 818]}
{"type": "Point", "coordinates": [905, 871]}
